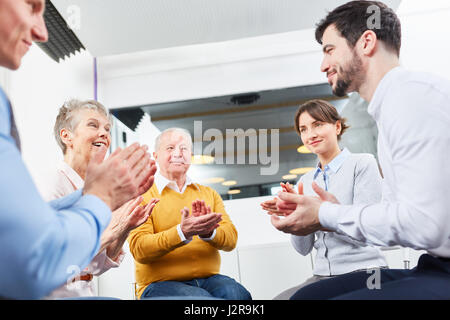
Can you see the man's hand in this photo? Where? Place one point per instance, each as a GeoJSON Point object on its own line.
{"type": "Point", "coordinates": [202, 222]}
{"type": "Point", "coordinates": [324, 195]}
{"type": "Point", "coordinates": [304, 219]}
{"type": "Point", "coordinates": [199, 208]}
{"type": "Point", "coordinates": [125, 175]}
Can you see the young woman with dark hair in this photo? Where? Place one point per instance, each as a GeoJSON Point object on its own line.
{"type": "Point", "coordinates": [352, 178]}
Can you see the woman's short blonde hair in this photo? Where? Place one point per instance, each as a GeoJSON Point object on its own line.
{"type": "Point", "coordinates": [66, 118]}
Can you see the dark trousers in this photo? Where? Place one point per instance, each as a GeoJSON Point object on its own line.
{"type": "Point", "coordinates": [429, 280]}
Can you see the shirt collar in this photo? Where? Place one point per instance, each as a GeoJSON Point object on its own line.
{"type": "Point", "coordinates": [335, 164]}
{"type": "Point", "coordinates": [161, 182]}
{"type": "Point", "coordinates": [71, 174]}
{"type": "Point", "coordinates": [385, 83]}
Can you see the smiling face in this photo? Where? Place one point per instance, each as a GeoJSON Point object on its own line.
{"type": "Point", "coordinates": [174, 154]}
{"type": "Point", "coordinates": [91, 132]}
{"type": "Point", "coordinates": [21, 23]}
{"type": "Point", "coordinates": [342, 65]}
{"type": "Point", "coordinates": [318, 136]}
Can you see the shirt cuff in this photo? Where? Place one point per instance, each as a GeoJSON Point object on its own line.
{"type": "Point", "coordinates": [182, 237]}
{"type": "Point", "coordinates": [102, 263]}
{"type": "Point", "coordinates": [328, 215]}
{"type": "Point", "coordinates": [210, 238]}
{"type": "Point", "coordinates": [110, 263]}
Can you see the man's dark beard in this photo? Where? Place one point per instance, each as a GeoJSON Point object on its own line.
{"type": "Point", "coordinates": [348, 77]}
{"type": "Point", "coordinates": [341, 88]}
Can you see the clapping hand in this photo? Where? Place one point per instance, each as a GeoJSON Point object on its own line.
{"type": "Point", "coordinates": [132, 214]}
{"type": "Point", "coordinates": [279, 207]}
{"type": "Point", "coordinates": [304, 219]}
{"type": "Point", "coordinates": [122, 177]}
{"type": "Point", "coordinates": [201, 222]}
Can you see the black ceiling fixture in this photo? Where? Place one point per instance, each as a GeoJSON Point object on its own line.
{"type": "Point", "coordinates": [62, 41]}
{"type": "Point", "coordinates": [129, 117]}
{"type": "Point", "coordinates": [245, 98]}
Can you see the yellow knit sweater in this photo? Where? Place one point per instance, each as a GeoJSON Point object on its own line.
{"type": "Point", "coordinates": [157, 249]}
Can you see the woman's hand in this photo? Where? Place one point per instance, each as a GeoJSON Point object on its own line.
{"type": "Point", "coordinates": [131, 215]}
{"type": "Point", "coordinates": [124, 175]}
{"type": "Point", "coordinates": [128, 217]}
{"type": "Point", "coordinates": [279, 207]}
{"type": "Point", "coordinates": [140, 214]}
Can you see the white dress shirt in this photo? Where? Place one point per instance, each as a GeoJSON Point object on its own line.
{"type": "Point", "coordinates": [412, 111]}
{"type": "Point", "coordinates": [67, 181]}
{"type": "Point", "coordinates": [162, 182]}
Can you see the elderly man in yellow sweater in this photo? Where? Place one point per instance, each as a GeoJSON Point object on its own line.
{"type": "Point", "coordinates": [176, 251]}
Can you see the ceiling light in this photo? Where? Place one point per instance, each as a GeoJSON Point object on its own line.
{"type": "Point", "coordinates": [303, 149]}
{"type": "Point", "coordinates": [214, 180]}
{"type": "Point", "coordinates": [289, 177]}
{"type": "Point", "coordinates": [202, 159]}
{"type": "Point", "coordinates": [229, 183]}
{"type": "Point", "coordinates": [234, 191]}
{"type": "Point", "coordinates": [301, 170]}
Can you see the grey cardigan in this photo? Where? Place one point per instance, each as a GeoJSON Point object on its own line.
{"type": "Point", "coordinates": [353, 179]}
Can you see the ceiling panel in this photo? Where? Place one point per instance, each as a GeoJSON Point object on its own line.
{"type": "Point", "coordinates": [109, 27]}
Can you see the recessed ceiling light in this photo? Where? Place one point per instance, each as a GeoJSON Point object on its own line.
{"type": "Point", "coordinates": [234, 191]}
{"type": "Point", "coordinates": [300, 170]}
{"type": "Point", "coordinates": [289, 177]}
{"type": "Point", "coordinates": [214, 180]}
{"type": "Point", "coordinates": [303, 149]}
{"type": "Point", "coordinates": [202, 159]}
{"type": "Point", "coordinates": [229, 183]}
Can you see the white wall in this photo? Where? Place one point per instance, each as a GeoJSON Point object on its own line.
{"type": "Point", "coordinates": [424, 34]}
{"type": "Point", "coordinates": [37, 90]}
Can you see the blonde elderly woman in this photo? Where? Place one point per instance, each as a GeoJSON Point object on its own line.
{"type": "Point", "coordinates": [82, 128]}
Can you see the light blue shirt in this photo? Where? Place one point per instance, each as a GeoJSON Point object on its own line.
{"type": "Point", "coordinates": [333, 166]}
{"type": "Point", "coordinates": [352, 179]}
{"type": "Point", "coordinates": [40, 243]}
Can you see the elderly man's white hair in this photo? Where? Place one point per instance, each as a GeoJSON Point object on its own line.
{"type": "Point", "coordinates": [179, 130]}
